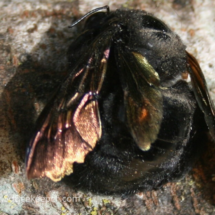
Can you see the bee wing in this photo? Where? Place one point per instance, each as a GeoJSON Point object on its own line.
{"type": "Point", "coordinates": [69, 126]}
{"type": "Point", "coordinates": [142, 97]}
{"type": "Point", "coordinates": [201, 93]}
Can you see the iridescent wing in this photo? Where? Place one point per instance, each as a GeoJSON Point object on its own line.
{"type": "Point", "coordinates": [69, 127]}
{"type": "Point", "coordinates": [201, 93]}
{"type": "Point", "coordinates": [142, 96]}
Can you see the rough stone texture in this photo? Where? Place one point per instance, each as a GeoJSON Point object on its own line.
{"type": "Point", "coordinates": [33, 42]}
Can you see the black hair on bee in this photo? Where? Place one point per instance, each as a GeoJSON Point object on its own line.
{"type": "Point", "coordinates": [126, 119]}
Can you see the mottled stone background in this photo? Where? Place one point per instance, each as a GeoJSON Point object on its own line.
{"type": "Point", "coordinates": [33, 42]}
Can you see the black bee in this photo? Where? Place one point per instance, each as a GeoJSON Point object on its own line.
{"type": "Point", "coordinates": [132, 115]}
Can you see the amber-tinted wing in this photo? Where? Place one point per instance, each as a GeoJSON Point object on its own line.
{"type": "Point", "coordinates": [201, 93]}
{"type": "Point", "coordinates": [69, 126]}
{"type": "Point", "coordinates": [142, 96]}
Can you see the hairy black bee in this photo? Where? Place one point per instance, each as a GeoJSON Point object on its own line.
{"type": "Point", "coordinates": [132, 115]}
